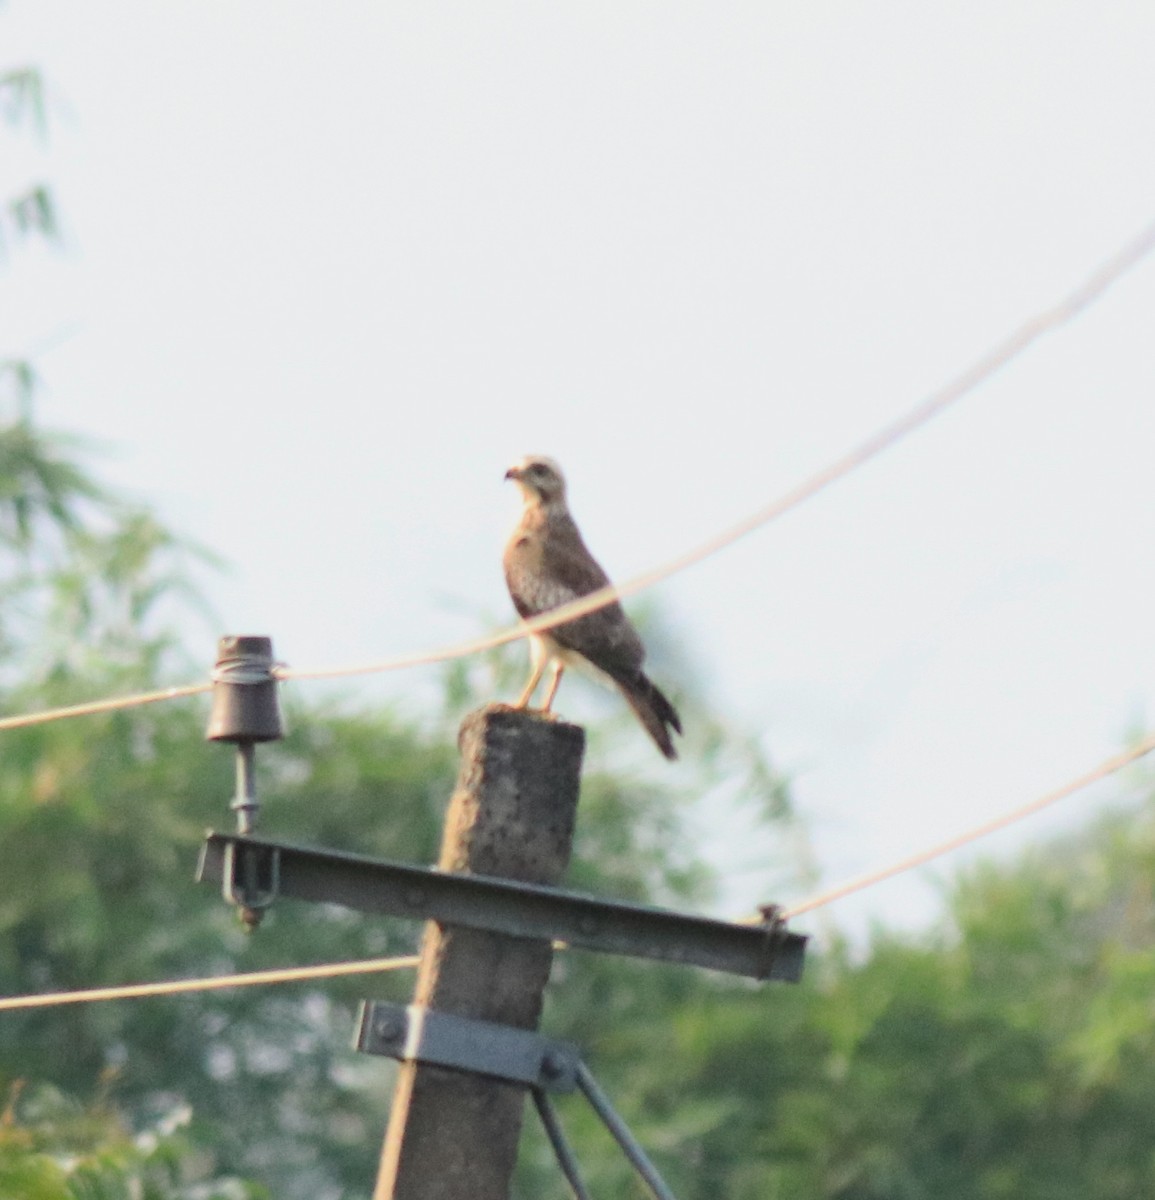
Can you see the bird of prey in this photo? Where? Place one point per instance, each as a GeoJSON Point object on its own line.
{"type": "Point", "coordinates": [547, 565]}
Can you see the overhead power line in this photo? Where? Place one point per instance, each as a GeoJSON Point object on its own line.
{"type": "Point", "coordinates": [979, 372]}
{"type": "Point", "coordinates": [861, 882]}
{"type": "Point", "coordinates": [174, 987]}
{"type": "Point", "coordinates": [1070, 306]}
{"type": "Point", "coordinates": [110, 704]}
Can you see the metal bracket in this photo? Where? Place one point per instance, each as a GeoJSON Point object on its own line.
{"type": "Point", "coordinates": [424, 1035]}
{"type": "Point", "coordinates": [250, 878]}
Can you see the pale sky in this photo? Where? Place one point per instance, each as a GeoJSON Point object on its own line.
{"type": "Point", "coordinates": [331, 268]}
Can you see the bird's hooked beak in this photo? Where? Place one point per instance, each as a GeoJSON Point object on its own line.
{"type": "Point", "coordinates": [513, 473]}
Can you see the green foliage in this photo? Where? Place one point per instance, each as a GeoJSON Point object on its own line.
{"type": "Point", "coordinates": [99, 848]}
{"type": "Point", "coordinates": [82, 574]}
{"type": "Point", "coordinates": [42, 492]}
{"type": "Point", "coordinates": [1009, 1054]}
{"type": "Point", "coordinates": [52, 1148]}
{"type": "Point", "coordinates": [32, 210]}
{"type": "Point", "coordinates": [22, 98]}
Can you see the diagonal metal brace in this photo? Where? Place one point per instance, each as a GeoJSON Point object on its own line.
{"type": "Point", "coordinates": [418, 1034]}
{"type": "Point", "coordinates": [764, 951]}
{"type": "Point", "coordinates": [631, 1147]}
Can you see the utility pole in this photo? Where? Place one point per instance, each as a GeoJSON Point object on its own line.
{"type": "Point", "coordinates": [468, 1044]}
{"type": "Point", "coordinates": [454, 1136]}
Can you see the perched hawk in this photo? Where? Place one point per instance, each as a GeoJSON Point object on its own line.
{"type": "Point", "coordinates": [547, 565]}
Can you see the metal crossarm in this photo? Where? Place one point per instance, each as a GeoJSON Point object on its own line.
{"type": "Point", "coordinates": [765, 951]}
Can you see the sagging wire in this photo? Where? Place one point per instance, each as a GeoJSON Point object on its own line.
{"type": "Point", "coordinates": [861, 882]}
{"type": "Point", "coordinates": [174, 987]}
{"type": "Point", "coordinates": [1085, 294]}
{"type": "Point", "coordinates": [111, 704]}
{"type": "Point", "coordinates": [883, 439]}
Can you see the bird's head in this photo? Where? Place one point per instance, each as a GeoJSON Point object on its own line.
{"type": "Point", "coordinates": [539, 478]}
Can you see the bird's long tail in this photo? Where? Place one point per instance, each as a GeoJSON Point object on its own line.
{"type": "Point", "coordinates": [654, 711]}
